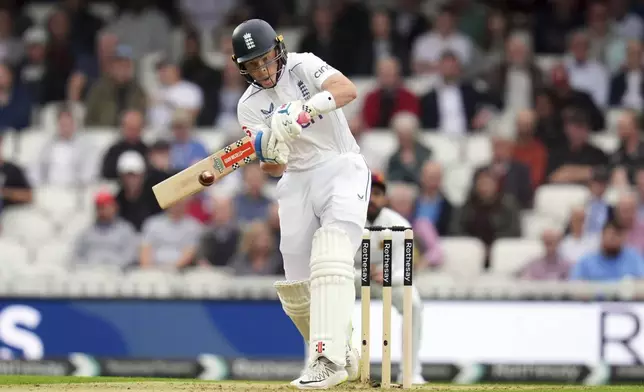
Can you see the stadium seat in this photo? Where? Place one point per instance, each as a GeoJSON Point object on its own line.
{"type": "Point", "coordinates": [558, 200]}
{"type": "Point", "coordinates": [14, 256]}
{"type": "Point", "coordinates": [9, 140]}
{"type": "Point", "coordinates": [533, 224]}
{"type": "Point", "coordinates": [75, 225]}
{"type": "Point", "coordinates": [28, 224]}
{"type": "Point", "coordinates": [57, 202]}
{"type": "Point", "coordinates": [101, 138]}
{"type": "Point", "coordinates": [445, 149]}
{"type": "Point", "coordinates": [57, 253]}
{"type": "Point", "coordinates": [364, 87]}
{"type": "Point", "coordinates": [49, 115]}
{"type": "Point", "coordinates": [457, 181]}
{"type": "Point", "coordinates": [509, 255]}
{"type": "Point", "coordinates": [94, 281]}
{"type": "Point", "coordinates": [607, 141]}
{"type": "Point", "coordinates": [205, 282]}
{"type": "Point", "coordinates": [612, 116]}
{"type": "Point", "coordinates": [478, 150]}
{"type": "Point", "coordinates": [40, 281]}
{"type": "Point", "coordinates": [253, 287]}
{"type": "Point", "coordinates": [463, 256]}
{"type": "Point", "coordinates": [30, 144]}
{"type": "Point", "coordinates": [147, 74]}
{"type": "Point", "coordinates": [152, 283]}
{"type": "Point", "coordinates": [435, 284]}
{"type": "Point", "coordinates": [377, 146]}
{"type": "Point", "coordinates": [213, 139]}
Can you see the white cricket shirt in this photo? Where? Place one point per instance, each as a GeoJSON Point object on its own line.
{"type": "Point", "coordinates": [324, 138]}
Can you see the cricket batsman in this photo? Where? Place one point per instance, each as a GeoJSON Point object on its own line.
{"type": "Point", "coordinates": [380, 215]}
{"type": "Point", "coordinates": [291, 109]}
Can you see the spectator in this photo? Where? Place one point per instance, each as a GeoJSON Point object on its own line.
{"type": "Point", "coordinates": [67, 159]}
{"type": "Point", "coordinates": [554, 23]}
{"type": "Point", "coordinates": [185, 150]}
{"type": "Point", "coordinates": [566, 98]}
{"type": "Point", "coordinates": [84, 26]}
{"type": "Point", "coordinates": [15, 188]}
{"type": "Point", "coordinates": [233, 87]}
{"type": "Point", "coordinates": [60, 58]}
{"type": "Point", "coordinates": [322, 39]}
{"type": "Point", "coordinates": [409, 22]}
{"type": "Point", "coordinates": [626, 24]}
{"type": "Point", "coordinates": [630, 154]}
{"type": "Point", "coordinates": [528, 149]}
{"type": "Point", "coordinates": [453, 107]}
{"type": "Point", "coordinates": [15, 102]}
{"type": "Point", "coordinates": [430, 47]}
{"type": "Point", "coordinates": [512, 175]}
{"type": "Point", "coordinates": [115, 92]}
{"type": "Point", "coordinates": [385, 44]}
{"type": "Point", "coordinates": [131, 130]}
{"type": "Point", "coordinates": [585, 73]}
{"type": "Point", "coordinates": [110, 240]}
{"type": "Point", "coordinates": [135, 198]}
{"type": "Point", "coordinates": [627, 217]}
{"type": "Point", "coordinates": [578, 242]}
{"type": "Point", "coordinates": [431, 204]}
{"type": "Point", "coordinates": [252, 203]}
{"type": "Point", "coordinates": [494, 39]}
{"type": "Point", "coordinates": [487, 214]}
{"type": "Point", "coordinates": [614, 261]}
{"type": "Point", "coordinates": [159, 162]}
{"type": "Point", "coordinates": [389, 98]}
{"type": "Point", "coordinates": [91, 67]}
{"type": "Point", "coordinates": [11, 49]}
{"type": "Point", "coordinates": [401, 198]}
{"type": "Point", "coordinates": [405, 164]}
{"type": "Point", "coordinates": [627, 86]}
{"type": "Point", "coordinates": [195, 70]}
{"type": "Point", "coordinates": [639, 187]}
{"type": "Point", "coordinates": [552, 266]}
{"type": "Point", "coordinates": [32, 69]}
{"type": "Point", "coordinates": [257, 254]}
{"type": "Point", "coordinates": [170, 240]}
{"type": "Point", "coordinates": [598, 211]}
{"type": "Point", "coordinates": [205, 16]}
{"type": "Point", "coordinates": [220, 240]}
{"type": "Point", "coordinates": [143, 27]}
{"type": "Point", "coordinates": [573, 163]}
{"type": "Point", "coordinates": [549, 124]}
{"type": "Point", "coordinates": [472, 20]}
{"type": "Point", "coordinates": [174, 94]}
{"type": "Point", "coordinates": [516, 80]}
{"type": "Point", "coordinates": [605, 43]}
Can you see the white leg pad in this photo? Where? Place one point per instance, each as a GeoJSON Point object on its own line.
{"type": "Point", "coordinates": [296, 302]}
{"type": "Point", "coordinates": [333, 294]}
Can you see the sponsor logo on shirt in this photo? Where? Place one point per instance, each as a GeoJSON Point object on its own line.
{"type": "Point", "coordinates": [321, 71]}
{"type": "Point", "coordinates": [304, 90]}
{"type": "Point", "coordinates": [269, 112]}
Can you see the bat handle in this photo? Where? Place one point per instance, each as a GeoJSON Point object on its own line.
{"type": "Point", "coordinates": [303, 118]}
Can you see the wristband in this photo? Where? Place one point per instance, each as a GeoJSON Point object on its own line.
{"type": "Point", "coordinates": [320, 103]}
{"type": "Point", "coordinates": [258, 145]}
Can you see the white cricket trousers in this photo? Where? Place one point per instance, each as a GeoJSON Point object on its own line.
{"type": "Point", "coordinates": [334, 194]}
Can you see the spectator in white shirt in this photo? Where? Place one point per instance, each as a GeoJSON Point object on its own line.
{"type": "Point", "coordinates": [175, 93]}
{"type": "Point", "coordinates": [586, 74]}
{"type": "Point", "coordinates": [68, 159]}
{"type": "Point", "coordinates": [578, 243]}
{"type": "Point", "coordinates": [627, 24]}
{"type": "Point", "coordinates": [429, 47]}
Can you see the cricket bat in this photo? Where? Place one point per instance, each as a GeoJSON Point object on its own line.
{"type": "Point", "coordinates": [204, 173]}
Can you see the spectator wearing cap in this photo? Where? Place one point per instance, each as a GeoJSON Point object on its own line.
{"type": "Point", "coordinates": [630, 154]}
{"type": "Point", "coordinates": [430, 47]}
{"type": "Point", "coordinates": [11, 49]}
{"type": "Point", "coordinates": [585, 73]}
{"type": "Point", "coordinates": [573, 162]}
{"type": "Point", "coordinates": [404, 165]}
{"type": "Point", "coordinates": [431, 204]}
{"type": "Point", "coordinates": [170, 240]}
{"type": "Point", "coordinates": [551, 266]}
{"type": "Point", "coordinates": [598, 211]}
{"type": "Point", "coordinates": [567, 98]}
{"type": "Point", "coordinates": [135, 198]}
{"type": "Point", "coordinates": [143, 27]}
{"type": "Point", "coordinates": [15, 188]}
{"type": "Point", "coordinates": [627, 216]}
{"type": "Point", "coordinates": [110, 240]}
{"type": "Point", "coordinates": [389, 98]}
{"type": "Point", "coordinates": [115, 92]}
{"type": "Point", "coordinates": [185, 150]}
{"type": "Point", "coordinates": [90, 67]}
{"type": "Point", "coordinates": [614, 260]}
{"type": "Point", "coordinates": [627, 85]}
{"type": "Point", "coordinates": [194, 69]}
{"type": "Point", "coordinates": [31, 70]}
{"type": "Point", "coordinates": [15, 102]}
{"type": "Point", "coordinates": [513, 176]}
{"type": "Point", "coordinates": [68, 159]}
{"type": "Point", "coordinates": [60, 57]}
{"type": "Point", "coordinates": [131, 130]}
{"type": "Point", "coordinates": [454, 106]}
{"type": "Point", "coordinates": [174, 94]}
{"type": "Point", "coordinates": [528, 149]}
{"type": "Point", "coordinates": [220, 239]}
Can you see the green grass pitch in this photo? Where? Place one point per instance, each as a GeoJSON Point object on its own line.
{"type": "Point", "coordinates": [112, 384]}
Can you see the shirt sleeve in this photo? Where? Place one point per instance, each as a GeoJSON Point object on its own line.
{"type": "Point", "coordinates": [316, 71]}
{"type": "Point", "coordinates": [577, 271]}
{"type": "Point", "coordinates": [250, 121]}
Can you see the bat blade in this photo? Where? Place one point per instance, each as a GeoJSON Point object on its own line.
{"type": "Point", "coordinates": [223, 162]}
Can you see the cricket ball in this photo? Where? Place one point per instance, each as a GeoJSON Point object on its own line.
{"type": "Point", "coordinates": [206, 178]}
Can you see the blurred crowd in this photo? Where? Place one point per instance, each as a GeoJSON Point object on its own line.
{"type": "Point", "coordinates": [481, 56]}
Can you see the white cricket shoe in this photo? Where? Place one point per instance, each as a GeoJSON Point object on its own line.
{"type": "Point", "coordinates": [353, 364]}
{"type": "Point", "coordinates": [416, 378]}
{"type": "Point", "coordinates": [321, 374]}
